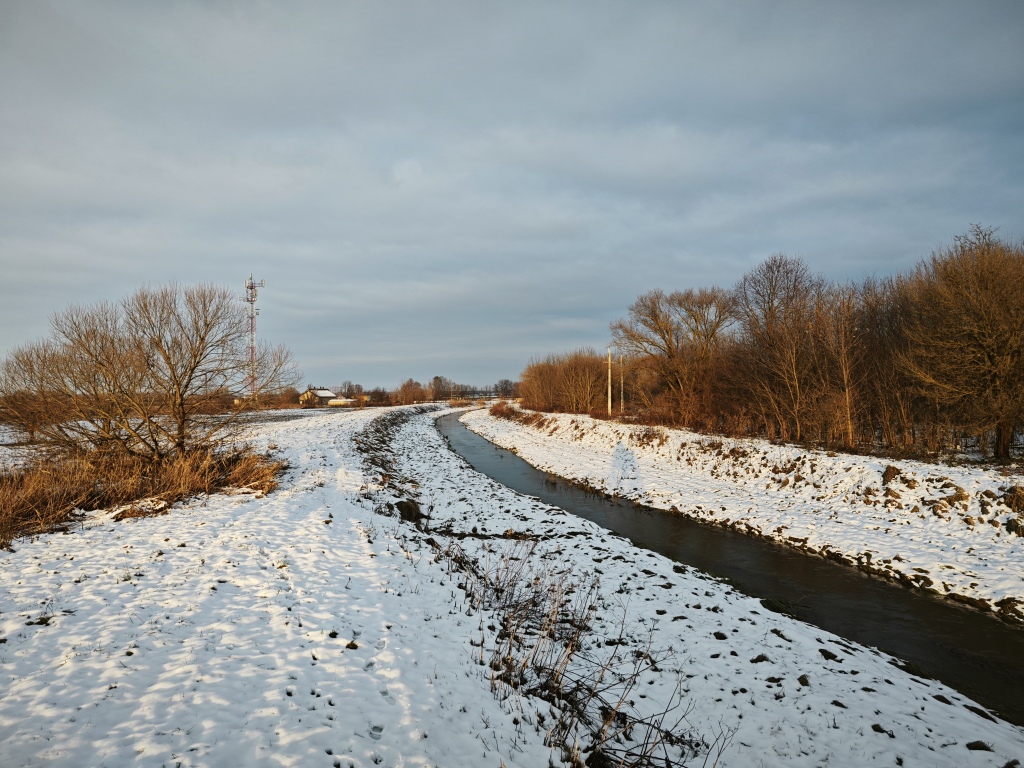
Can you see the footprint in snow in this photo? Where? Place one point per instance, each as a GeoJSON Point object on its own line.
{"type": "Point", "coordinates": [376, 731]}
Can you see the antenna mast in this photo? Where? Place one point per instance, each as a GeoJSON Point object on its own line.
{"type": "Point", "coordinates": [251, 382]}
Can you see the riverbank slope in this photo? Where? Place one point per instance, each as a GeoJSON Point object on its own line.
{"type": "Point", "coordinates": [951, 530]}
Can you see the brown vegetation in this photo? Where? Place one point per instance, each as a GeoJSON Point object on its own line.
{"type": "Point", "coordinates": [139, 399]}
{"type": "Point", "coordinates": [571, 382]}
{"type": "Point", "coordinates": [46, 496]}
{"type": "Point", "coordinates": [918, 363]}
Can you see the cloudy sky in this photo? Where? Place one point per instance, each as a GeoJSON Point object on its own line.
{"type": "Point", "coordinates": [449, 188]}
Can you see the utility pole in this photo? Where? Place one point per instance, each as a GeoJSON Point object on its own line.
{"type": "Point", "coordinates": [251, 381]}
{"type": "Point", "coordinates": [622, 387]}
{"type": "Point", "coordinates": [609, 381]}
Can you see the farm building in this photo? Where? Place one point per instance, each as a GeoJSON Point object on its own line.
{"type": "Point", "coordinates": [314, 397]}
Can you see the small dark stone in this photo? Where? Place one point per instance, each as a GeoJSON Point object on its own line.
{"type": "Point", "coordinates": [838, 703]}
{"type": "Point", "coordinates": [978, 746]}
{"type": "Point", "coordinates": [879, 729]}
{"type": "Point", "coordinates": [829, 655]}
{"type": "Point", "coordinates": [940, 698]}
{"type": "Point", "coordinates": [759, 658]}
{"type": "Point", "coordinates": [804, 680]}
{"type": "Point", "coordinates": [721, 636]}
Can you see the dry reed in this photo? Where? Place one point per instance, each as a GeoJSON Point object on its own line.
{"type": "Point", "coordinates": [49, 493]}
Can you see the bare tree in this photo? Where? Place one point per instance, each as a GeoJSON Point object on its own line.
{"type": "Point", "coordinates": [152, 376]}
{"type": "Point", "coordinates": [966, 328]}
{"type": "Point", "coordinates": [775, 302]}
{"type": "Point", "coordinates": [539, 386]}
{"type": "Point", "coordinates": [409, 391]}
{"type": "Point", "coordinates": [378, 396]}
{"type": "Point", "coordinates": [838, 342]}
{"type": "Point", "coordinates": [441, 388]}
{"type": "Point", "coordinates": [676, 336]}
{"type": "Point", "coordinates": [506, 388]}
{"type": "Point", "coordinates": [890, 400]}
{"type": "Point", "coordinates": [581, 380]}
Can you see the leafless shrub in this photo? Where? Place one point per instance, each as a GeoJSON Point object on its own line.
{"type": "Point", "coordinates": [503, 410]}
{"type": "Point", "coordinates": [543, 622]}
{"type": "Point", "coordinates": [509, 412]}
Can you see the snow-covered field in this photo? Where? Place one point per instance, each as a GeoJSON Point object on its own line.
{"type": "Point", "coordinates": [937, 527]}
{"type": "Point", "coordinates": [306, 629]}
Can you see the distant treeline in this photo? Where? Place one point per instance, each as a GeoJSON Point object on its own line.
{"type": "Point", "coordinates": [439, 388]}
{"type": "Point", "coordinates": [916, 363]}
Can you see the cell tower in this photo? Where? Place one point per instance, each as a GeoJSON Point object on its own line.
{"type": "Point", "coordinates": [251, 381]}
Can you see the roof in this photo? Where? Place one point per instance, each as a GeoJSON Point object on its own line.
{"type": "Point", "coordinates": [321, 392]}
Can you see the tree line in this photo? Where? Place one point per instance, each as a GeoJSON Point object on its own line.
{"type": "Point", "coordinates": [916, 363]}
{"type": "Point", "coordinates": [410, 391]}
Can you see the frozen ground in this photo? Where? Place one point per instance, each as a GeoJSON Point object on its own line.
{"type": "Point", "coordinates": [305, 628]}
{"type": "Point", "coordinates": [947, 529]}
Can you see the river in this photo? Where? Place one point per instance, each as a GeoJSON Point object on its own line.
{"type": "Point", "coordinates": [976, 654]}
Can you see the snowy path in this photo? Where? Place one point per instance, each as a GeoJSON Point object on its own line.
{"type": "Point", "coordinates": [304, 629]}
{"type": "Point", "coordinates": [937, 527]}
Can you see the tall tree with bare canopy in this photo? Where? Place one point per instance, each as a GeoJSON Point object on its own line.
{"type": "Point", "coordinates": [966, 330]}
{"type": "Point", "coordinates": [151, 376]}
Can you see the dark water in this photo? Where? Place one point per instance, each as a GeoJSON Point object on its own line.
{"type": "Point", "coordinates": [969, 651]}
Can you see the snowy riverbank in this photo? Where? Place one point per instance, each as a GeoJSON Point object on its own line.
{"type": "Point", "coordinates": [947, 529]}
{"type": "Point", "coordinates": [307, 629]}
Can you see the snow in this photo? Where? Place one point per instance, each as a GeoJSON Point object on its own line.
{"type": "Point", "coordinates": [305, 628]}
{"type": "Point", "coordinates": [937, 527]}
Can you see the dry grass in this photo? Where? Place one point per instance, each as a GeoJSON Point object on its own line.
{"type": "Point", "coordinates": [47, 494]}
{"type": "Point", "coordinates": [505, 410]}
